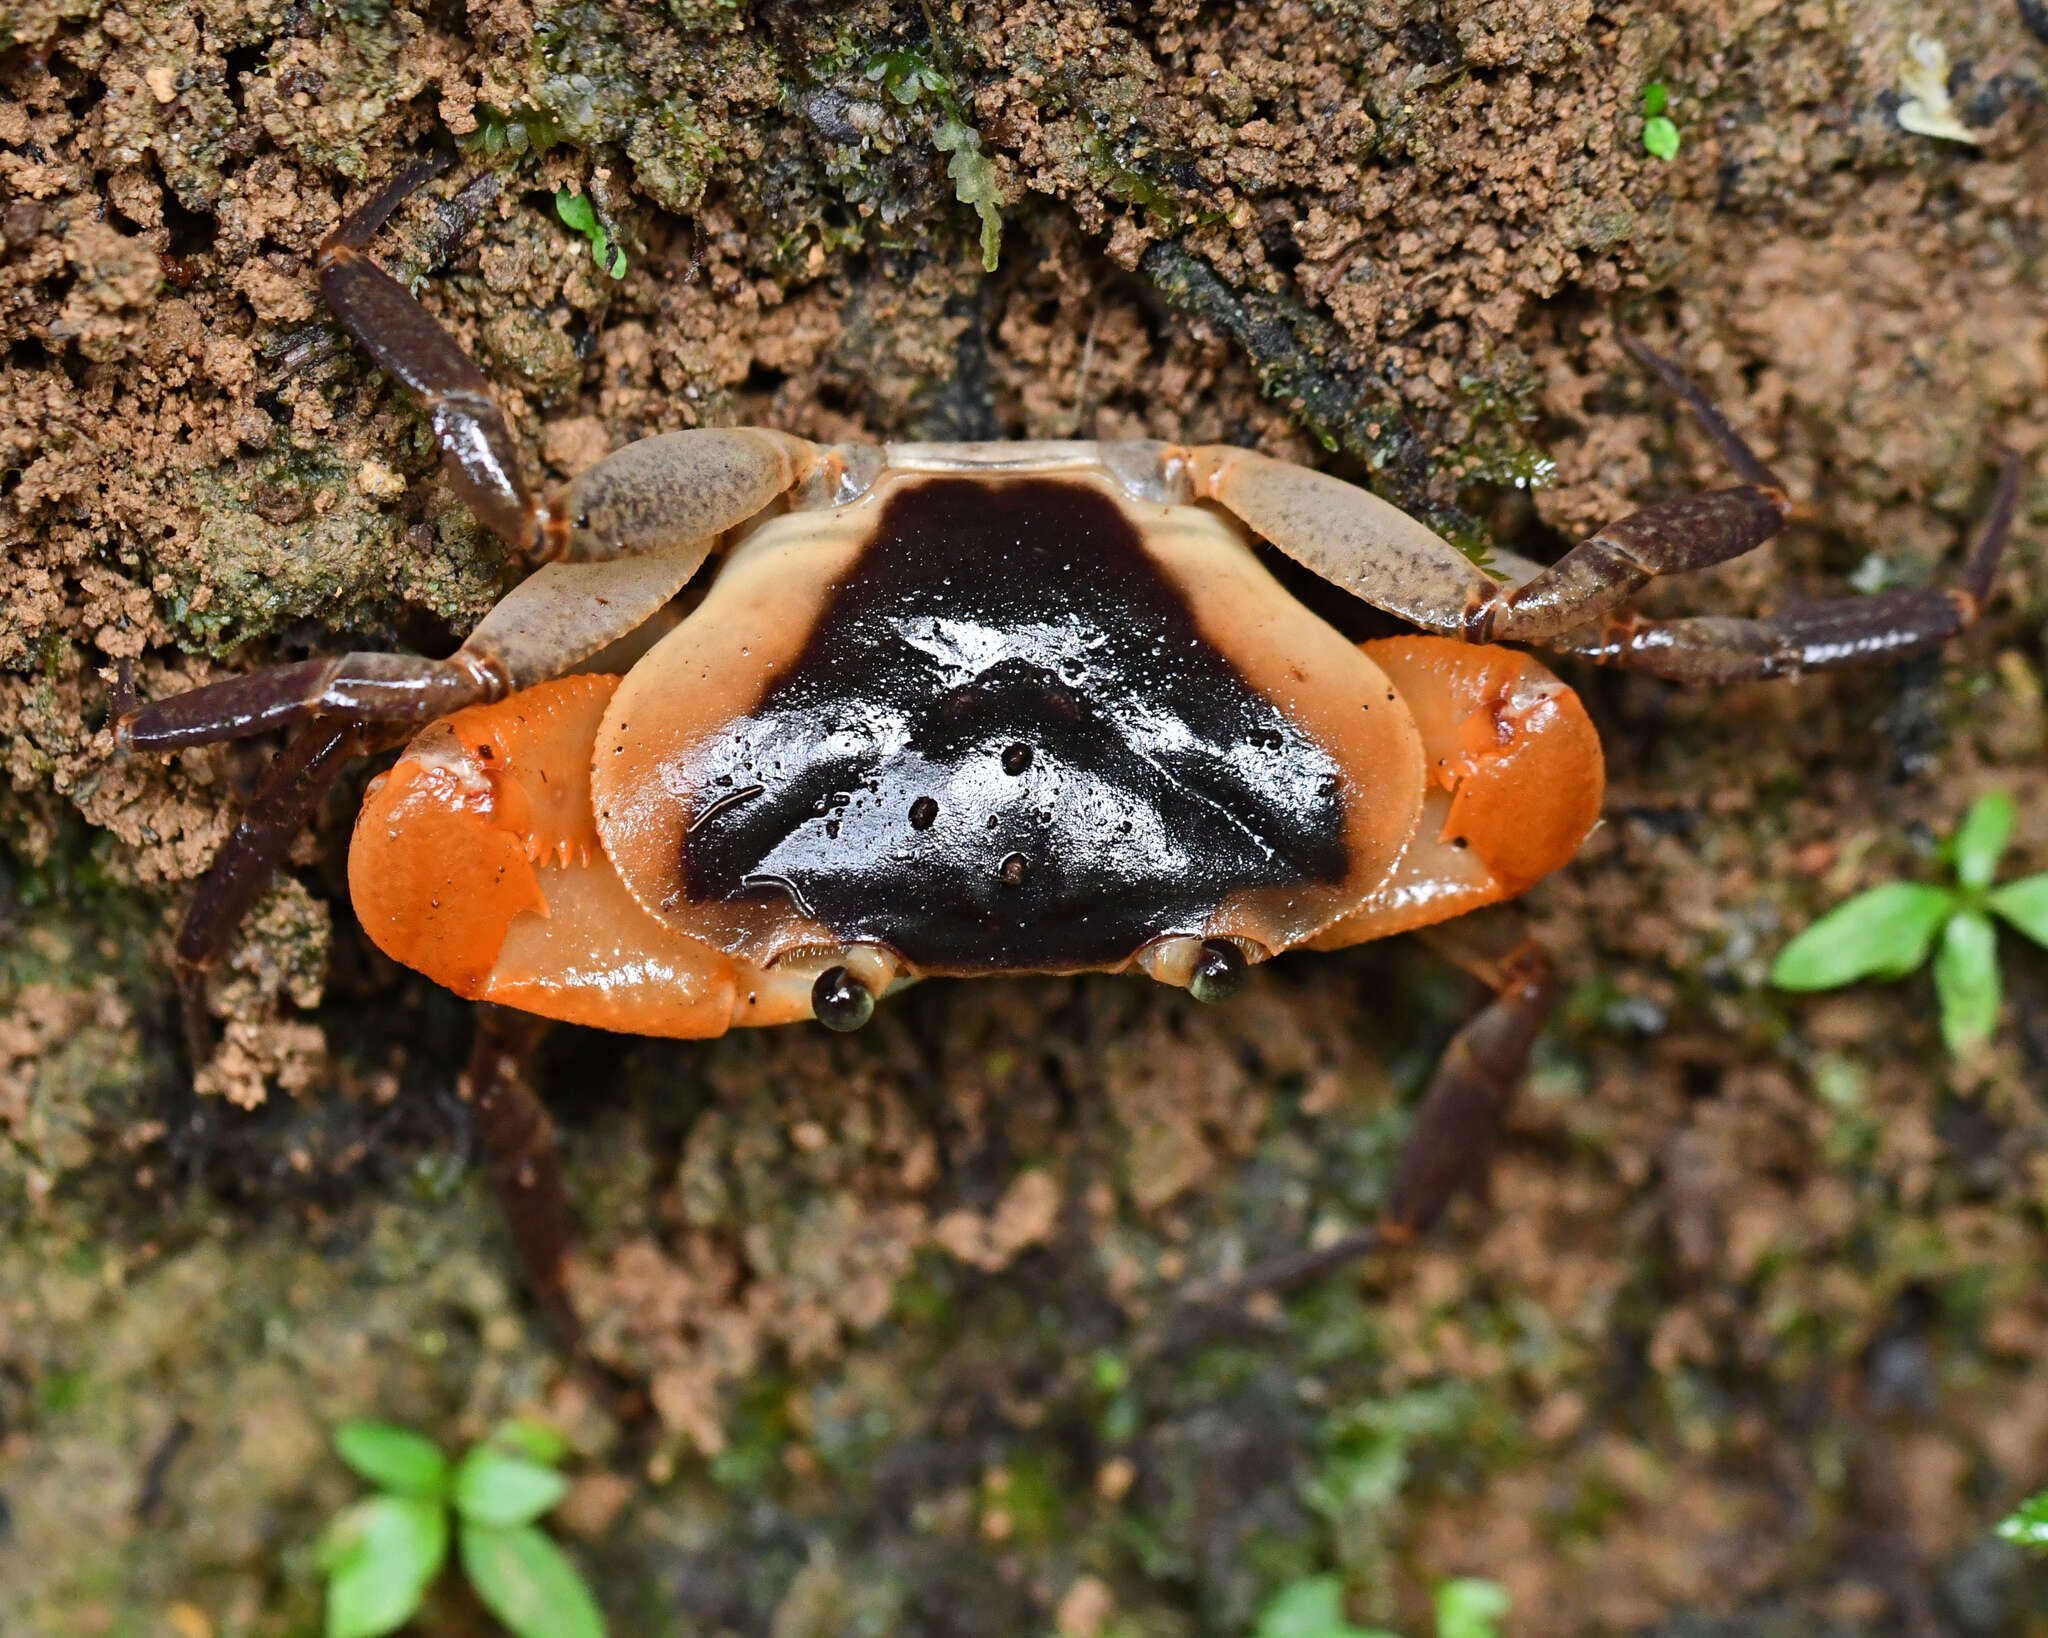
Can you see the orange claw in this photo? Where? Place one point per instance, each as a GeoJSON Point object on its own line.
{"type": "Point", "coordinates": [446, 843]}
{"type": "Point", "coordinates": [1510, 742]}
{"type": "Point", "coordinates": [476, 861]}
{"type": "Point", "coordinates": [435, 874]}
{"type": "Point", "coordinates": [535, 749]}
{"type": "Point", "coordinates": [1514, 778]}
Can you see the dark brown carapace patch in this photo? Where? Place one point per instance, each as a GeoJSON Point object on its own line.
{"type": "Point", "coordinates": [1007, 743]}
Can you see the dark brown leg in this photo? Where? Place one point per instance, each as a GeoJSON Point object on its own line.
{"type": "Point", "coordinates": [360, 226]}
{"type": "Point", "coordinates": [517, 1136]}
{"type": "Point", "coordinates": [1672, 537]}
{"type": "Point", "coordinates": [395, 689]}
{"type": "Point", "coordinates": [477, 452]}
{"type": "Point", "coordinates": [334, 704]}
{"type": "Point", "coordinates": [1458, 1126]}
{"type": "Point", "coordinates": [525, 1161]}
{"type": "Point", "coordinates": [1452, 1141]}
{"type": "Point", "coordinates": [1734, 450]}
{"type": "Point", "coordinates": [249, 858]}
{"type": "Point", "coordinates": [1817, 636]}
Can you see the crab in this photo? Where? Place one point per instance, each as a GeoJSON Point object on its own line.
{"type": "Point", "coordinates": [959, 710]}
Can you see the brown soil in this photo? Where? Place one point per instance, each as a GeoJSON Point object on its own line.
{"type": "Point", "coordinates": [1748, 1338]}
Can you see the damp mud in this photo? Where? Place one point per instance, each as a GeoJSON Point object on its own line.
{"type": "Point", "coordinates": [1747, 1337]}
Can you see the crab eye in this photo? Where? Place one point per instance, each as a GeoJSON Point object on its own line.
{"type": "Point", "coordinates": [1220, 971]}
{"type": "Point", "coordinates": [842, 1002]}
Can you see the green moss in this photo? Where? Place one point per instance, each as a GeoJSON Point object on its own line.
{"type": "Point", "coordinates": [1301, 364]}
{"type": "Point", "coordinates": [292, 538]}
{"type": "Point", "coordinates": [1122, 181]}
{"type": "Point", "coordinates": [1031, 1496]}
{"type": "Point", "coordinates": [925, 1298]}
{"type": "Point", "coordinates": [909, 77]}
{"type": "Point", "coordinates": [518, 131]}
{"type": "Point", "coordinates": [757, 1431]}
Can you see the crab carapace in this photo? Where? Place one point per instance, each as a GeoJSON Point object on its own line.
{"type": "Point", "coordinates": [960, 710]}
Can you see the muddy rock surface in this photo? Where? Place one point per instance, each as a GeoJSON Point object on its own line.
{"type": "Point", "coordinates": [1749, 1337]}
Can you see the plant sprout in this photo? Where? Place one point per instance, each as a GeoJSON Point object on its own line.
{"type": "Point", "coordinates": [1470, 1608]}
{"type": "Point", "coordinates": [1311, 1608]}
{"type": "Point", "coordinates": [1660, 134]}
{"type": "Point", "coordinates": [2028, 1526]}
{"type": "Point", "coordinates": [1889, 931]}
{"type": "Point", "coordinates": [909, 79]}
{"type": "Point", "coordinates": [580, 215]}
{"type": "Point", "coordinates": [382, 1554]}
{"type": "Point", "coordinates": [906, 76]}
{"type": "Point", "coordinates": [974, 182]}
{"type": "Point", "coordinates": [1314, 1608]}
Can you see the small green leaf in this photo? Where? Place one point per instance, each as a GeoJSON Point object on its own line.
{"type": "Point", "coordinates": [1660, 138]}
{"type": "Point", "coordinates": [974, 183]}
{"type": "Point", "coordinates": [392, 1458]}
{"type": "Point", "coordinates": [579, 214]}
{"type": "Point", "coordinates": [2029, 1525]}
{"type": "Point", "coordinates": [1966, 979]}
{"type": "Point", "coordinates": [526, 1582]}
{"type": "Point", "coordinates": [907, 76]}
{"type": "Point", "coordinates": [1884, 933]}
{"type": "Point", "coordinates": [1470, 1608]}
{"type": "Point", "coordinates": [1981, 838]}
{"type": "Point", "coordinates": [1313, 1608]}
{"type": "Point", "coordinates": [494, 1486]}
{"type": "Point", "coordinates": [536, 1441]}
{"type": "Point", "coordinates": [2024, 904]}
{"type": "Point", "coordinates": [1654, 98]}
{"type": "Point", "coordinates": [380, 1558]}
{"type": "Point", "coordinates": [575, 212]}
{"type": "Point", "coordinates": [1111, 1374]}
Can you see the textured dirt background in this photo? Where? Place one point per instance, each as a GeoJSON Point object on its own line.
{"type": "Point", "coordinates": [1749, 1339]}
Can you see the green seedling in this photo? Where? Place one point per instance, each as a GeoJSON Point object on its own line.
{"type": "Point", "coordinates": [578, 214]}
{"type": "Point", "coordinates": [974, 183]}
{"type": "Point", "coordinates": [1889, 931]}
{"type": "Point", "coordinates": [382, 1554]}
{"type": "Point", "coordinates": [1470, 1608]}
{"type": "Point", "coordinates": [2028, 1526]}
{"type": "Point", "coordinates": [1314, 1608]}
{"type": "Point", "coordinates": [906, 76]}
{"type": "Point", "coordinates": [1311, 1608]}
{"type": "Point", "coordinates": [909, 79]}
{"type": "Point", "coordinates": [1660, 134]}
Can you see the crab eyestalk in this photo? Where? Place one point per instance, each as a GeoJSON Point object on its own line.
{"type": "Point", "coordinates": [1220, 971]}
{"type": "Point", "coordinates": [841, 1001]}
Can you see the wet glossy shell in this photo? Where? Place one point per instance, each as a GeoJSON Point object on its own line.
{"type": "Point", "coordinates": [969, 726]}
{"type": "Point", "coordinates": [1002, 725]}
